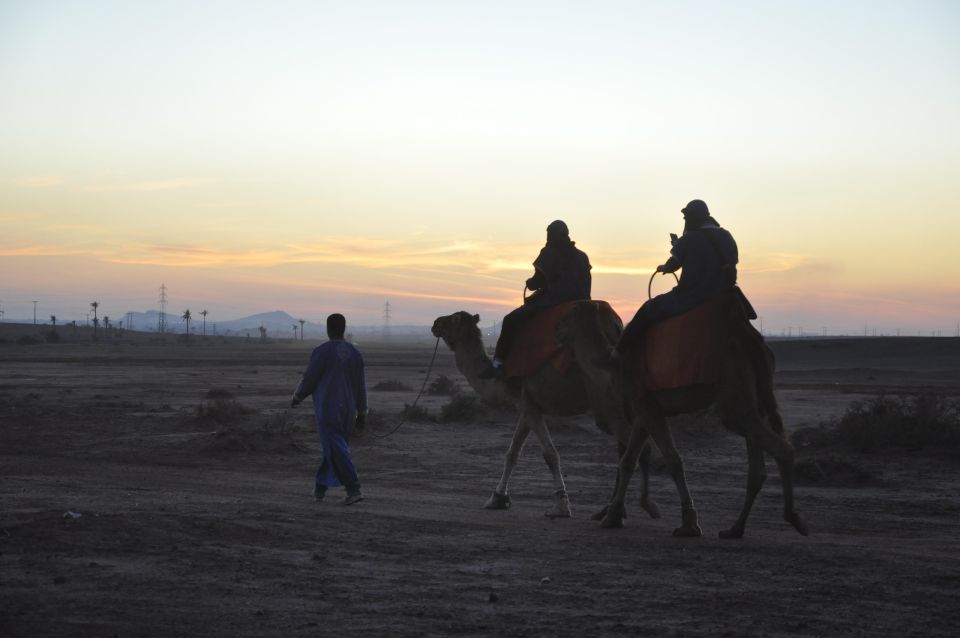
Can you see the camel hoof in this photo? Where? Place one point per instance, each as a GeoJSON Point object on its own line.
{"type": "Point", "coordinates": [650, 507]}
{"type": "Point", "coordinates": [733, 532]}
{"type": "Point", "coordinates": [797, 521]}
{"type": "Point", "coordinates": [497, 501]}
{"type": "Point", "coordinates": [613, 519]}
{"type": "Point", "coordinates": [688, 532]}
{"type": "Point", "coordinates": [561, 506]}
{"type": "Point", "coordinates": [599, 515]}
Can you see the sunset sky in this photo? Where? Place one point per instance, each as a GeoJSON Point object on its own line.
{"type": "Point", "coordinates": [329, 156]}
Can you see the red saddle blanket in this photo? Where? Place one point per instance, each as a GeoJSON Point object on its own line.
{"type": "Point", "coordinates": [687, 349]}
{"type": "Point", "coordinates": [536, 342]}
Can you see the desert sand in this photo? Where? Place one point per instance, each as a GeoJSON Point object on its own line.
{"type": "Point", "coordinates": [133, 504]}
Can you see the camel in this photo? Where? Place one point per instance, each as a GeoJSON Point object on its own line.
{"type": "Point", "coordinates": [743, 398]}
{"type": "Point", "coordinates": [547, 392]}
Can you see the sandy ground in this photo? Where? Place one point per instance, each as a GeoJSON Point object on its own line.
{"type": "Point", "coordinates": [122, 512]}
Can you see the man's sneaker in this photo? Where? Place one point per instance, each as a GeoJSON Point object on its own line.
{"type": "Point", "coordinates": [319, 493]}
{"type": "Point", "coordinates": [350, 499]}
{"type": "Point", "coordinates": [491, 372]}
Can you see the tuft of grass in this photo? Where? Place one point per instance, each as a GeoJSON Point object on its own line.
{"type": "Point", "coordinates": [927, 421]}
{"type": "Point", "coordinates": [220, 406]}
{"type": "Point", "coordinates": [414, 413]}
{"type": "Point", "coordinates": [462, 407]}
{"type": "Point", "coordinates": [443, 386]}
{"type": "Point", "coordinates": [392, 385]}
{"type": "Point", "coordinates": [279, 424]}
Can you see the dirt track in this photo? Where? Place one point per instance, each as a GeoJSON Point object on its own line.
{"type": "Point", "coordinates": [182, 531]}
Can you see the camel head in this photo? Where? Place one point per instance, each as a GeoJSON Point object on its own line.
{"type": "Point", "coordinates": [457, 328]}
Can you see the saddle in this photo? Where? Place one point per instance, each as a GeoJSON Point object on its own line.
{"type": "Point", "coordinates": [687, 350]}
{"type": "Point", "coordinates": [536, 343]}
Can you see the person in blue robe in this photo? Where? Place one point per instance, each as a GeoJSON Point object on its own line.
{"type": "Point", "coordinates": [335, 378]}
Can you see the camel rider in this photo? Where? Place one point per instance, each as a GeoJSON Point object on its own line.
{"type": "Point", "coordinates": [708, 256]}
{"type": "Point", "coordinates": [562, 273]}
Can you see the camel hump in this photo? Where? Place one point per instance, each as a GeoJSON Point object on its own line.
{"type": "Point", "coordinates": [536, 343]}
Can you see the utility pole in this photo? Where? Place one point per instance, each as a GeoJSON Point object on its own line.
{"type": "Point", "coordinates": [302, 321]}
{"type": "Point", "coordinates": [162, 326]}
{"type": "Point", "coordinates": [34, 313]}
{"type": "Point", "coordinates": [386, 319]}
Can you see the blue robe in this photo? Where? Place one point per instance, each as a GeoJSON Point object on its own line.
{"type": "Point", "coordinates": [336, 380]}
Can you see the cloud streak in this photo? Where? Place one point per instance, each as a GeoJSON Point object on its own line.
{"type": "Point", "coordinates": [147, 187]}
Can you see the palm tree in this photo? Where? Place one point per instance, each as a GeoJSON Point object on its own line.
{"type": "Point", "coordinates": [95, 305]}
{"type": "Point", "coordinates": [186, 317]}
{"type": "Point", "coordinates": [106, 322]}
{"type": "Point", "coordinates": [294, 332]}
{"type": "Point", "coordinates": [53, 320]}
{"type": "Point", "coordinates": [204, 313]}
{"type": "Point", "coordinates": [301, 329]}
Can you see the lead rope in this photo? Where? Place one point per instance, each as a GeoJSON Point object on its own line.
{"type": "Point", "coordinates": [419, 394]}
{"type": "Point", "coordinates": [650, 284]}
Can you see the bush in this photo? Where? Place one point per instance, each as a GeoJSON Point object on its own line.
{"type": "Point", "coordinates": [912, 423]}
{"type": "Point", "coordinates": [444, 386]}
{"type": "Point", "coordinates": [279, 424]}
{"type": "Point", "coordinates": [220, 406]}
{"type": "Point", "coordinates": [414, 413]}
{"type": "Point", "coordinates": [27, 340]}
{"type": "Point", "coordinates": [462, 407]}
{"type": "Point", "coordinates": [392, 385]}
{"type": "Point", "coordinates": [51, 336]}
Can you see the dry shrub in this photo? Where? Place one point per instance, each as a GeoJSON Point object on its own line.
{"type": "Point", "coordinates": [415, 413]}
{"type": "Point", "coordinates": [279, 424]}
{"type": "Point", "coordinates": [220, 406]}
{"type": "Point", "coordinates": [27, 340]}
{"type": "Point", "coordinates": [462, 407]}
{"type": "Point", "coordinates": [443, 386]}
{"type": "Point", "coordinates": [924, 422]}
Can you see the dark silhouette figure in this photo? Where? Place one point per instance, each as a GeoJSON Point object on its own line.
{"type": "Point", "coordinates": [708, 256]}
{"type": "Point", "coordinates": [561, 273]}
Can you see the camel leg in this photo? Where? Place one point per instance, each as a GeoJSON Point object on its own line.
{"type": "Point", "coordinates": [647, 503]}
{"type": "Point", "coordinates": [782, 451]}
{"type": "Point", "coordinates": [689, 524]}
{"type": "Point", "coordinates": [598, 516]}
{"type": "Point", "coordinates": [628, 461]}
{"type": "Point", "coordinates": [561, 505]}
{"type": "Point", "coordinates": [500, 499]}
{"type": "Point", "coordinates": [756, 475]}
